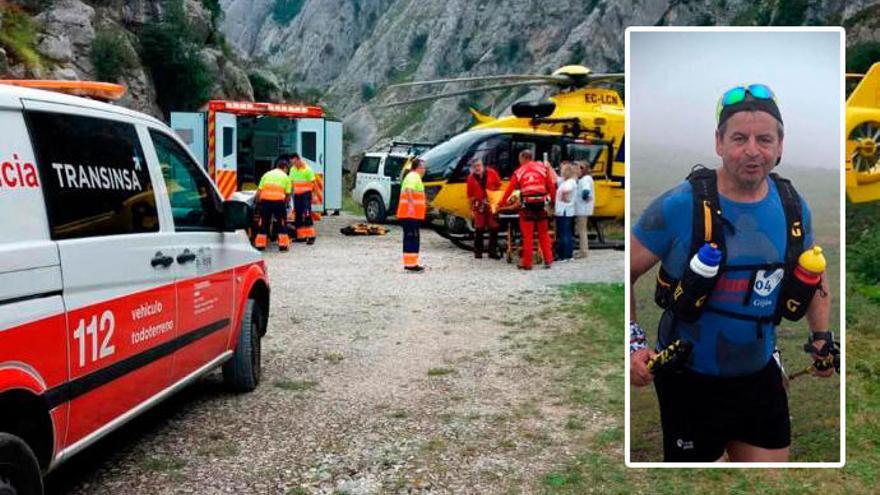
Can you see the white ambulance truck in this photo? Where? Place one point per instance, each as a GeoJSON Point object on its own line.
{"type": "Point", "coordinates": [238, 142]}
{"type": "Point", "coordinates": [123, 277]}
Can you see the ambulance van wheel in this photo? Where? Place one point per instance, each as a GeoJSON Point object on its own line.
{"type": "Point", "coordinates": [19, 470]}
{"type": "Point", "coordinates": [242, 372]}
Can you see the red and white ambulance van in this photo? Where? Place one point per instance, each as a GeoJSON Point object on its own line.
{"type": "Point", "coordinates": [123, 277]}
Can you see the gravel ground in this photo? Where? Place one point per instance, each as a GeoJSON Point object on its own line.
{"type": "Point", "coordinates": [375, 381]}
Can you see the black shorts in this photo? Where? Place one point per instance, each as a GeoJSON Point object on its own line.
{"type": "Point", "coordinates": [700, 414]}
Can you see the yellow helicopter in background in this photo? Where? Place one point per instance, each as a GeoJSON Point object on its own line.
{"type": "Point", "coordinates": [582, 120]}
{"type": "Point", "coordinates": [863, 137]}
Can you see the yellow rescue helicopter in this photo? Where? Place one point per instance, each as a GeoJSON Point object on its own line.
{"type": "Point", "coordinates": [582, 120]}
{"type": "Point", "coordinates": [863, 137]}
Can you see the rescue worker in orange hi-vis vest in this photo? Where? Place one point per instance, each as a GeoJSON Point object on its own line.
{"type": "Point", "coordinates": [273, 194]}
{"type": "Point", "coordinates": [536, 185]}
{"type": "Point", "coordinates": [411, 210]}
{"type": "Point", "coordinates": [303, 178]}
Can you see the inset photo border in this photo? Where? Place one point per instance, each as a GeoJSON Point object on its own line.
{"type": "Point", "coordinates": [675, 80]}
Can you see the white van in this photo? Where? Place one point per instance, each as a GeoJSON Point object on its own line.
{"type": "Point", "coordinates": [123, 277]}
{"type": "Point", "coordinates": [377, 182]}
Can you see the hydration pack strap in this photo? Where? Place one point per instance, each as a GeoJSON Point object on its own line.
{"type": "Point", "coordinates": [794, 230]}
{"type": "Point", "coordinates": [708, 224]}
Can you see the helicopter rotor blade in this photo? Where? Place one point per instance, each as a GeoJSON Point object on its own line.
{"type": "Point", "coordinates": [459, 93]}
{"type": "Point", "coordinates": [611, 76]}
{"type": "Point", "coordinates": [536, 79]}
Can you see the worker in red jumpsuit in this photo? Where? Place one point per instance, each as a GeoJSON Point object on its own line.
{"type": "Point", "coordinates": [536, 187]}
{"type": "Point", "coordinates": [481, 180]}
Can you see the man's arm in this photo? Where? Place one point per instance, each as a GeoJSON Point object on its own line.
{"type": "Point", "coordinates": [551, 185]}
{"type": "Point", "coordinates": [472, 188]}
{"type": "Point", "coordinates": [511, 186]}
{"type": "Point", "coordinates": [494, 180]}
{"type": "Point", "coordinates": [818, 319]}
{"type": "Point", "coordinates": [640, 261]}
{"type": "Point", "coordinates": [259, 189]}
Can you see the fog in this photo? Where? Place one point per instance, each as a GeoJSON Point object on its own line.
{"type": "Point", "coordinates": [675, 80]}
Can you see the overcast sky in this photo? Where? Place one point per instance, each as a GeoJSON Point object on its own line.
{"type": "Point", "coordinates": [675, 80]}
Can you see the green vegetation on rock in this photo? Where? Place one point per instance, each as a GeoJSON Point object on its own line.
{"type": "Point", "coordinates": [111, 55]}
{"type": "Point", "coordinates": [182, 80]}
{"type": "Point", "coordinates": [368, 91]}
{"type": "Point", "coordinates": [861, 56]}
{"type": "Point", "coordinates": [18, 36]}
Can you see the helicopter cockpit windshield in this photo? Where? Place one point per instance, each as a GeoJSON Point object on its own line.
{"type": "Point", "coordinates": [441, 160]}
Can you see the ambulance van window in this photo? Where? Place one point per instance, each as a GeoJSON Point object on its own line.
{"type": "Point", "coordinates": [228, 141]}
{"type": "Point", "coordinates": [194, 204]}
{"type": "Point", "coordinates": [310, 146]}
{"type": "Point", "coordinates": [95, 177]}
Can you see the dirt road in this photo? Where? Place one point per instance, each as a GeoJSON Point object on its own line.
{"type": "Point", "coordinates": [375, 381]}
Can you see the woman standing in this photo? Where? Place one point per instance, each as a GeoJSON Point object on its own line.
{"type": "Point", "coordinates": [411, 211]}
{"type": "Point", "coordinates": [583, 206]}
{"type": "Point", "coordinates": [565, 212]}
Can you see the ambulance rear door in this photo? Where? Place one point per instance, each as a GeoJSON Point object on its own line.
{"type": "Point", "coordinates": [333, 165]}
{"type": "Point", "coordinates": [190, 127]}
{"type": "Point", "coordinates": [225, 153]}
{"type": "Point", "coordinates": [310, 146]}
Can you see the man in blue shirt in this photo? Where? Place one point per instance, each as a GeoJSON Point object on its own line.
{"type": "Point", "coordinates": [730, 396]}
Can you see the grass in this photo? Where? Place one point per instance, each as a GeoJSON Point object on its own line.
{"type": "Point", "coordinates": [399, 414]}
{"type": "Point", "coordinates": [219, 449]}
{"type": "Point", "coordinates": [440, 371]}
{"type": "Point", "coordinates": [590, 376]}
{"type": "Point", "coordinates": [295, 385]}
{"type": "Point", "coordinates": [348, 203]}
{"type": "Point", "coordinates": [334, 357]}
{"type": "Point", "coordinates": [614, 230]}
{"type": "Point", "coordinates": [435, 444]}
{"type": "Point", "coordinates": [162, 463]}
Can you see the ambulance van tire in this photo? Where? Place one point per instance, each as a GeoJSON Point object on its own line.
{"type": "Point", "coordinates": [242, 372]}
{"type": "Point", "coordinates": [19, 469]}
{"type": "Point", "coordinates": [374, 208]}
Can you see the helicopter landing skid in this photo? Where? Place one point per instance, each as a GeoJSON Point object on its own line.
{"type": "Point", "coordinates": [598, 241]}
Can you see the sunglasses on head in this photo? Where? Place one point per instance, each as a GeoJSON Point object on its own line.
{"type": "Point", "coordinates": [738, 94]}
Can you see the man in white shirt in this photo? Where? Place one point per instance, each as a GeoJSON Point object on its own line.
{"type": "Point", "coordinates": [583, 207]}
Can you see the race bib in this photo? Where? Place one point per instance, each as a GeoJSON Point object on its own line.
{"type": "Point", "coordinates": [766, 283]}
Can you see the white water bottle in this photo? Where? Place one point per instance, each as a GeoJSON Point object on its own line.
{"type": "Point", "coordinates": [707, 261]}
{"type": "Point", "coordinates": [697, 283]}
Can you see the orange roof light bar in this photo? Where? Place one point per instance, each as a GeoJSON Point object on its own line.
{"type": "Point", "coordinates": [271, 109]}
{"type": "Point", "coordinates": [89, 89]}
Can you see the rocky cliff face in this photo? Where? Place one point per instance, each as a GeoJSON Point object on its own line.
{"type": "Point", "coordinates": [348, 51]}
{"type": "Point", "coordinates": [64, 31]}
{"type": "Point", "coordinates": [344, 53]}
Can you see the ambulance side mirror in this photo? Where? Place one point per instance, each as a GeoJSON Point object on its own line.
{"type": "Point", "coordinates": [236, 215]}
